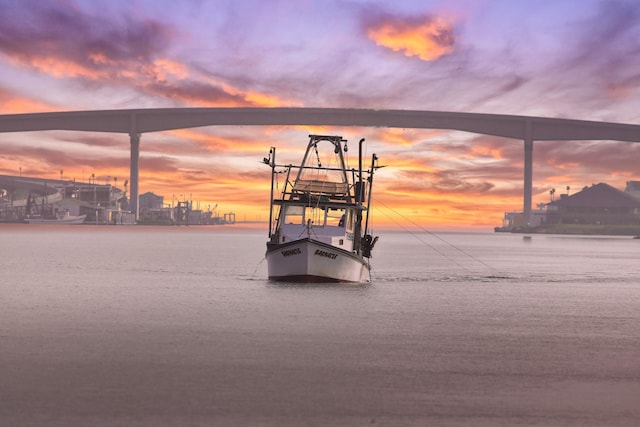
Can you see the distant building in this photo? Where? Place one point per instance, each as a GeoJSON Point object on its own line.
{"type": "Point", "coordinates": [51, 196]}
{"type": "Point", "coordinates": [102, 204]}
{"type": "Point", "coordinates": [515, 220]}
{"type": "Point", "coordinates": [150, 201]}
{"type": "Point", "coordinates": [599, 204]}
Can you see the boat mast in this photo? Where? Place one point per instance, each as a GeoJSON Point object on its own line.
{"type": "Point", "coordinates": [272, 160]}
{"type": "Point", "coordinates": [359, 196]}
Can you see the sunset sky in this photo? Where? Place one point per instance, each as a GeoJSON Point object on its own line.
{"type": "Point", "coordinates": [553, 58]}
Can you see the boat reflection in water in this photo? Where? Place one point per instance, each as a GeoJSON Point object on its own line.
{"type": "Point", "coordinates": [318, 227]}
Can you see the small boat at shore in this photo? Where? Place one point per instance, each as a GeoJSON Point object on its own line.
{"type": "Point", "coordinates": [62, 218]}
{"type": "Point", "coordinates": [318, 227]}
{"type": "Point", "coordinates": [47, 214]}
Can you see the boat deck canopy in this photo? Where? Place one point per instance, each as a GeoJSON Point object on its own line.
{"type": "Point", "coordinates": [321, 187]}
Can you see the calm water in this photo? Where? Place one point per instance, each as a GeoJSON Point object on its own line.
{"type": "Point", "coordinates": [118, 326]}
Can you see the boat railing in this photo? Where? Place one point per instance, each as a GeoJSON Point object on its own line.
{"type": "Point", "coordinates": [314, 191]}
{"type": "Point", "coordinates": [333, 189]}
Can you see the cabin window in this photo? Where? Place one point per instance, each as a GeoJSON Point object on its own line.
{"type": "Point", "coordinates": [316, 215]}
{"type": "Point", "coordinates": [336, 217]}
{"type": "Point", "coordinates": [294, 215]}
{"type": "Point", "coordinates": [319, 216]}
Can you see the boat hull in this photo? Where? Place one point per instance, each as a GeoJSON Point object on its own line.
{"type": "Point", "coordinates": [68, 220]}
{"type": "Point", "coordinates": [311, 261]}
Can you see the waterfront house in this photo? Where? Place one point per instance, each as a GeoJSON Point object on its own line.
{"type": "Point", "coordinates": [599, 204]}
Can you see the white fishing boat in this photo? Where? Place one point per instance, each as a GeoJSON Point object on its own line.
{"type": "Point", "coordinates": [44, 213]}
{"type": "Point", "coordinates": [62, 218]}
{"type": "Point", "coordinates": [318, 227]}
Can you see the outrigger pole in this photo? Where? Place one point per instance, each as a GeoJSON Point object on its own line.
{"type": "Point", "coordinates": [359, 197]}
{"type": "Point", "coordinates": [373, 162]}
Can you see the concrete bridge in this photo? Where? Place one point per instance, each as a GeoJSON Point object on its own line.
{"type": "Point", "coordinates": [135, 122]}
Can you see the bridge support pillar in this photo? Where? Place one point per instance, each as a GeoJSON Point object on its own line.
{"type": "Point", "coordinates": [528, 180]}
{"type": "Point", "coordinates": [134, 139]}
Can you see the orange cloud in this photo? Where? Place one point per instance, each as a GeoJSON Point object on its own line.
{"type": "Point", "coordinates": [255, 99]}
{"type": "Point", "coordinates": [99, 58]}
{"type": "Point", "coordinates": [264, 100]}
{"type": "Point", "coordinates": [405, 209]}
{"type": "Point", "coordinates": [406, 137]}
{"type": "Point", "coordinates": [212, 143]}
{"type": "Point", "coordinates": [163, 67]}
{"type": "Point", "coordinates": [22, 105]}
{"type": "Point", "coordinates": [57, 67]}
{"type": "Point", "coordinates": [428, 38]}
{"type": "Point", "coordinates": [479, 151]}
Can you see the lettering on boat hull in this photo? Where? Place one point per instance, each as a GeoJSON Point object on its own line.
{"type": "Point", "coordinates": [289, 252]}
{"type": "Point", "coordinates": [325, 254]}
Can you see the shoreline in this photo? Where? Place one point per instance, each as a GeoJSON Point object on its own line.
{"type": "Point", "coordinates": [576, 229]}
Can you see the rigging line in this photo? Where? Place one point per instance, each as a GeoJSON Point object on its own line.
{"type": "Point", "coordinates": [442, 254]}
{"type": "Point", "coordinates": [438, 237]}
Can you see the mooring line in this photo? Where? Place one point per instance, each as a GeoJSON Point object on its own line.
{"type": "Point", "coordinates": [257, 267]}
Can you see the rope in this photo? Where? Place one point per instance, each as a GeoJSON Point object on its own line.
{"type": "Point", "coordinates": [462, 251]}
